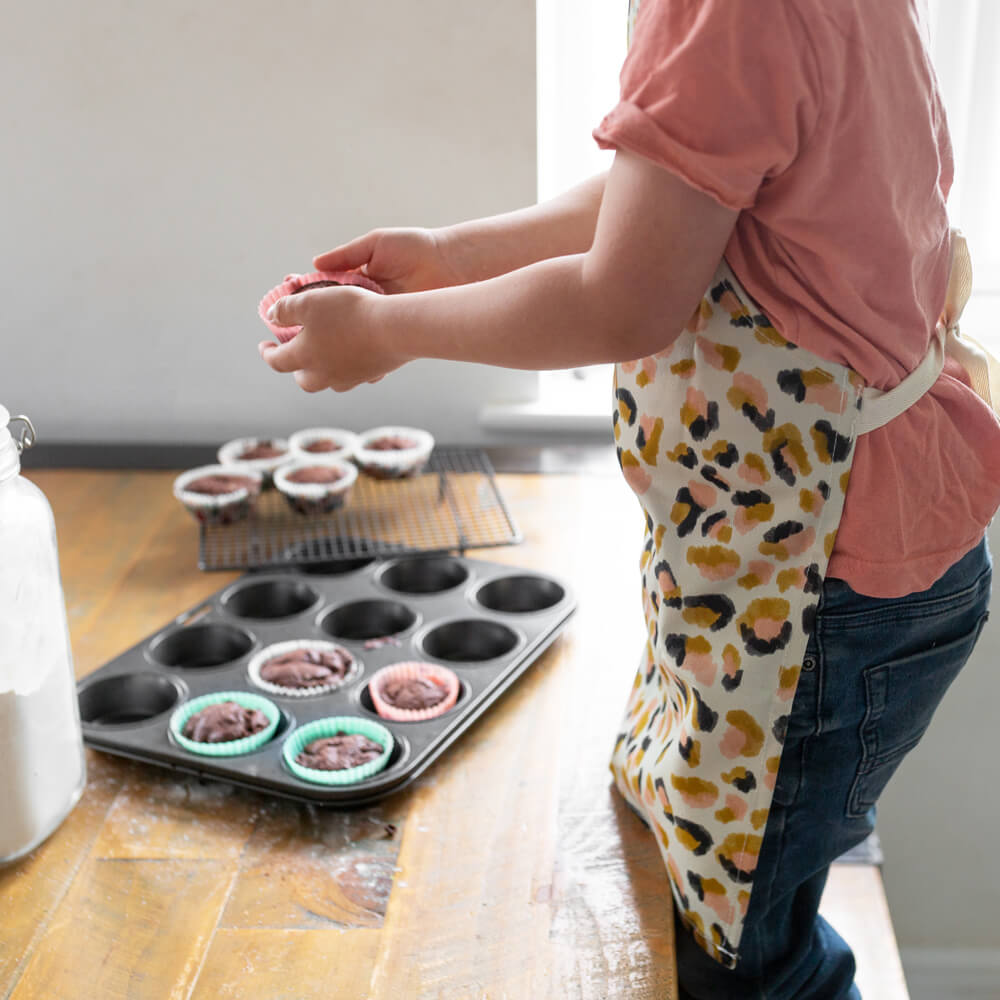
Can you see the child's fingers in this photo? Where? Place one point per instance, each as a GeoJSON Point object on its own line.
{"type": "Point", "coordinates": [290, 310]}
{"type": "Point", "coordinates": [349, 256]}
{"type": "Point", "coordinates": [281, 357]}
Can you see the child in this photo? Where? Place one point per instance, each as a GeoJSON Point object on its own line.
{"type": "Point", "coordinates": [765, 262]}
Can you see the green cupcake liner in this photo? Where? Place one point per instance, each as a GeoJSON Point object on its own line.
{"type": "Point", "coordinates": [328, 727]}
{"type": "Point", "coordinates": [232, 748]}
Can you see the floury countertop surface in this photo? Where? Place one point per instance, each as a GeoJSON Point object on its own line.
{"type": "Point", "coordinates": [509, 869]}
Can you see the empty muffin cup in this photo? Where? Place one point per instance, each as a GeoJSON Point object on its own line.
{"type": "Point", "coordinates": [424, 575]}
{"type": "Point", "coordinates": [393, 452]}
{"type": "Point", "coordinates": [127, 699]}
{"type": "Point", "coordinates": [255, 710]}
{"type": "Point", "coordinates": [323, 444]}
{"type": "Point", "coordinates": [368, 619]}
{"type": "Point", "coordinates": [219, 494]}
{"type": "Point", "coordinates": [261, 454]}
{"type": "Point", "coordinates": [303, 668]}
{"type": "Point", "coordinates": [283, 597]}
{"type": "Point", "coordinates": [203, 644]}
{"type": "Point", "coordinates": [312, 487]}
{"type": "Point", "coordinates": [413, 691]}
{"type": "Point", "coordinates": [520, 594]}
{"type": "Point", "coordinates": [469, 640]}
{"type": "Point", "coordinates": [305, 738]}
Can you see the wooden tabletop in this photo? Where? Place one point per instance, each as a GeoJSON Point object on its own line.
{"type": "Point", "coordinates": [509, 871]}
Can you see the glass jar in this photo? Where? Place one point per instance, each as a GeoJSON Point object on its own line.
{"type": "Point", "coordinates": [42, 764]}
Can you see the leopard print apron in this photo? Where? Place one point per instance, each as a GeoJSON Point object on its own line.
{"type": "Point", "coordinates": [738, 445]}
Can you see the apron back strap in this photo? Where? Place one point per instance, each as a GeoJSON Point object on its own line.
{"type": "Point", "coordinates": [879, 407]}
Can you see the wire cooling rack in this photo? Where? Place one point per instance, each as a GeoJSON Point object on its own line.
{"type": "Point", "coordinates": [453, 505]}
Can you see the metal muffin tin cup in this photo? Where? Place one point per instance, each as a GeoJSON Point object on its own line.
{"type": "Point", "coordinates": [486, 622]}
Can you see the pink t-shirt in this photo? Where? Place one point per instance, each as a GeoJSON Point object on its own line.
{"type": "Point", "coordinates": [821, 121]}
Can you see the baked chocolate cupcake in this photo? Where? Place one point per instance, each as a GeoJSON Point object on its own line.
{"type": "Point", "coordinates": [413, 691]}
{"type": "Point", "coordinates": [340, 750]}
{"type": "Point", "coordinates": [295, 283]}
{"type": "Point", "coordinates": [218, 494]}
{"type": "Point", "coordinates": [261, 454]}
{"type": "Point", "coordinates": [323, 444]}
{"type": "Point", "coordinates": [303, 667]}
{"type": "Point", "coordinates": [393, 452]}
{"type": "Point", "coordinates": [225, 723]}
{"type": "Point", "coordinates": [315, 487]}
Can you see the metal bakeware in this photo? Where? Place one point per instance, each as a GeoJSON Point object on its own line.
{"type": "Point", "coordinates": [487, 622]}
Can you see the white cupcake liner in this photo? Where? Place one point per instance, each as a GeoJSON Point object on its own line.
{"type": "Point", "coordinates": [347, 441]}
{"type": "Point", "coordinates": [315, 498]}
{"type": "Point", "coordinates": [439, 675]}
{"type": "Point", "coordinates": [230, 748]}
{"type": "Point", "coordinates": [301, 738]}
{"type": "Point", "coordinates": [223, 506]}
{"type": "Point", "coordinates": [277, 649]}
{"type": "Point", "coordinates": [394, 464]}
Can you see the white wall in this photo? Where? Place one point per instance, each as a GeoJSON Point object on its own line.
{"type": "Point", "coordinates": [165, 164]}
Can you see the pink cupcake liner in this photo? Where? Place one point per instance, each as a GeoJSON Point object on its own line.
{"type": "Point", "coordinates": [441, 676]}
{"type": "Point", "coordinates": [293, 282]}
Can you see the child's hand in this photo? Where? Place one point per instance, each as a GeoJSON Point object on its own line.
{"type": "Point", "coordinates": [338, 346]}
{"type": "Point", "coordinates": [400, 260]}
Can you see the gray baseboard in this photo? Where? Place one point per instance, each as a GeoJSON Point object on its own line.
{"type": "Point", "coordinates": [952, 973]}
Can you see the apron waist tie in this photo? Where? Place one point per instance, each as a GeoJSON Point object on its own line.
{"type": "Point", "coordinates": [879, 407]}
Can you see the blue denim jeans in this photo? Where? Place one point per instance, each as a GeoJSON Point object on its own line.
{"type": "Point", "coordinates": [874, 672]}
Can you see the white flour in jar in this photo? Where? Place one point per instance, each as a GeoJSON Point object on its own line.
{"type": "Point", "coordinates": [41, 753]}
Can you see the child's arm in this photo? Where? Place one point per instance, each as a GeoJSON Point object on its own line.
{"type": "Point", "coordinates": [414, 260]}
{"type": "Point", "coordinates": [656, 246]}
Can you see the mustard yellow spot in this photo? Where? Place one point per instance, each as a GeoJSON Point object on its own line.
{"type": "Point", "coordinates": [684, 367]}
{"type": "Point", "coordinates": [661, 530]}
{"type": "Point", "coordinates": [694, 755]}
{"type": "Point", "coordinates": [730, 356]}
{"type": "Point", "coordinates": [828, 543]}
{"type": "Point", "coordinates": [676, 454]}
{"type": "Point", "coordinates": [678, 512]}
{"type": "Point", "coordinates": [788, 437]}
{"type": "Point", "coordinates": [768, 335]}
{"type": "Point", "coordinates": [758, 465]}
{"type": "Point", "coordinates": [749, 580]}
{"type": "Point", "coordinates": [807, 500]}
{"type": "Point", "coordinates": [642, 379]}
{"type": "Point", "coordinates": [758, 818]}
{"type": "Point", "coordinates": [698, 645]}
{"type": "Point", "coordinates": [700, 617]}
{"type": "Point", "coordinates": [736, 774]}
{"type": "Point", "coordinates": [772, 608]}
{"type": "Point", "coordinates": [772, 764]}
{"type": "Point", "coordinates": [652, 445]}
{"type": "Point", "coordinates": [725, 815]}
{"type": "Point", "coordinates": [843, 481]}
{"type": "Point", "coordinates": [788, 677]}
{"type": "Point", "coordinates": [689, 415]}
{"type": "Point", "coordinates": [695, 787]}
{"type": "Point", "coordinates": [747, 724]}
{"type": "Point", "coordinates": [789, 578]}
{"type": "Point", "coordinates": [815, 376]}
{"type": "Point", "coordinates": [738, 843]}
{"type": "Point", "coordinates": [713, 557]}
{"type": "Point", "coordinates": [628, 459]}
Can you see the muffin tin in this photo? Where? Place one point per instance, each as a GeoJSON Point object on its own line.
{"type": "Point", "coordinates": [487, 622]}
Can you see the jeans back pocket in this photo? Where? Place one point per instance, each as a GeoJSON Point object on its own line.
{"type": "Point", "coordinates": [902, 696]}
